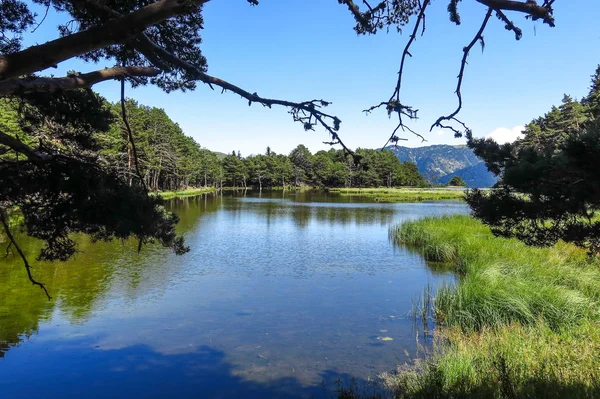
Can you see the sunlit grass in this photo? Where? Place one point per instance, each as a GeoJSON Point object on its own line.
{"type": "Point", "coordinates": [519, 321]}
{"type": "Point", "coordinates": [404, 194]}
{"type": "Point", "coordinates": [186, 193]}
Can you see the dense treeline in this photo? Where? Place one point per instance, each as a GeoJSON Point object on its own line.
{"type": "Point", "coordinates": [333, 168]}
{"type": "Point", "coordinates": [170, 160]}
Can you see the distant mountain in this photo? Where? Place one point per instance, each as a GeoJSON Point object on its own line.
{"type": "Point", "coordinates": [438, 163]}
{"type": "Point", "coordinates": [475, 176]}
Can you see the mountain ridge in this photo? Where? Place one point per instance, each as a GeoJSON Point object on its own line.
{"type": "Point", "coordinates": [439, 162]}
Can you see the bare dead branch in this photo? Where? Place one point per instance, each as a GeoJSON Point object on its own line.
{"type": "Point", "coordinates": [463, 63]}
{"type": "Point", "coordinates": [393, 105]}
{"type": "Point", "coordinates": [4, 221]}
{"type": "Point", "coordinates": [82, 81]}
{"type": "Point", "coordinates": [43, 19]}
{"type": "Point", "coordinates": [509, 24]}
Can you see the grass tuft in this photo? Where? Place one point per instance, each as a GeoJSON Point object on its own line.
{"type": "Point", "coordinates": [519, 322]}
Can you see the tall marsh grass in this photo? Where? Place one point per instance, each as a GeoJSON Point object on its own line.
{"type": "Point", "coordinates": [518, 322]}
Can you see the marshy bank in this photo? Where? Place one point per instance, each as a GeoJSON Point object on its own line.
{"type": "Point", "coordinates": [403, 194]}
{"type": "Point", "coordinates": [519, 322]}
{"type": "Point", "coordinates": [190, 192]}
{"type": "Point", "coordinates": [395, 194]}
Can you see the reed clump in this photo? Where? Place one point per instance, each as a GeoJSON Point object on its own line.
{"type": "Point", "coordinates": [518, 322]}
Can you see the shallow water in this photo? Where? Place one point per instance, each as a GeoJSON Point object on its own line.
{"type": "Point", "coordinates": [279, 294]}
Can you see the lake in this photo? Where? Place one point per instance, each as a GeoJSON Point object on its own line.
{"type": "Point", "coordinates": [281, 295]}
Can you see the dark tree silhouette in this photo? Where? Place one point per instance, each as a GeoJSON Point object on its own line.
{"type": "Point", "coordinates": [548, 188]}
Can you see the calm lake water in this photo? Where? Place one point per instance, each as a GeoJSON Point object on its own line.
{"type": "Point", "coordinates": [280, 294]}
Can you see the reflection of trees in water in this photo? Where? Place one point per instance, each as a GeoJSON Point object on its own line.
{"type": "Point", "coordinates": [78, 285]}
{"type": "Point", "coordinates": [191, 209]}
{"type": "Point", "coordinates": [75, 285]}
{"type": "Point", "coordinates": [302, 213]}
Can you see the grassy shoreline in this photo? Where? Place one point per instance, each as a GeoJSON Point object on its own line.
{"type": "Point", "coordinates": [520, 321]}
{"type": "Point", "coordinates": [190, 192]}
{"type": "Point", "coordinates": [403, 194]}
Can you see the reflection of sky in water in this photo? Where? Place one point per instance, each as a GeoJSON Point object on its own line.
{"type": "Point", "coordinates": [276, 295]}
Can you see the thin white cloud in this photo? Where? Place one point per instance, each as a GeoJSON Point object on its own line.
{"type": "Point", "coordinates": [504, 135]}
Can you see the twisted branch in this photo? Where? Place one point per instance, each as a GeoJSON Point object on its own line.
{"type": "Point", "coordinates": [72, 82]}
{"type": "Point", "coordinates": [463, 63]}
{"type": "Point", "coordinates": [394, 104]}
{"type": "Point", "coordinates": [4, 221]}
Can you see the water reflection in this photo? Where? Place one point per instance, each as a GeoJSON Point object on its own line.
{"type": "Point", "coordinates": [279, 292]}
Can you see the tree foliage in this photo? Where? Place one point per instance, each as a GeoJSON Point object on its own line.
{"type": "Point", "coordinates": [457, 181]}
{"type": "Point", "coordinates": [548, 188]}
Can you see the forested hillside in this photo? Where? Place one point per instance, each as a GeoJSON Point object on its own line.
{"type": "Point", "coordinates": [439, 163]}
{"type": "Point", "coordinates": [170, 160]}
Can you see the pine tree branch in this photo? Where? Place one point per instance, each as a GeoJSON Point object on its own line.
{"type": "Point", "coordinates": [117, 30]}
{"type": "Point", "coordinates": [83, 81]}
{"type": "Point", "coordinates": [529, 7]}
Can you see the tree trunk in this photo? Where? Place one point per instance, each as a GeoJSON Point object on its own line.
{"type": "Point", "coordinates": [130, 163]}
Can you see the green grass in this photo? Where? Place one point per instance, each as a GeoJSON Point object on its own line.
{"type": "Point", "coordinates": [186, 193]}
{"type": "Point", "coordinates": [519, 322]}
{"type": "Point", "coordinates": [404, 194]}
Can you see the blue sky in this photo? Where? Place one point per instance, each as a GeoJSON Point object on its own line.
{"type": "Point", "coordinates": [300, 50]}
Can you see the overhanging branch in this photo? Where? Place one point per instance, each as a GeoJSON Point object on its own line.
{"type": "Point", "coordinates": [393, 105]}
{"type": "Point", "coordinates": [117, 30]}
{"type": "Point", "coordinates": [463, 64]}
{"type": "Point", "coordinates": [4, 222]}
{"type": "Point", "coordinates": [306, 112]}
{"type": "Point", "coordinates": [529, 7]}
{"type": "Point", "coordinates": [20, 147]}
{"type": "Point", "coordinates": [83, 81]}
